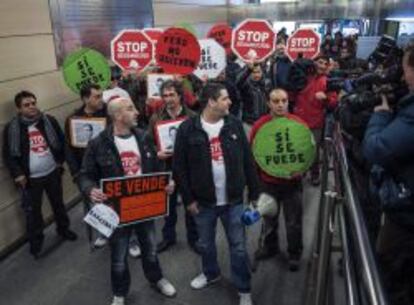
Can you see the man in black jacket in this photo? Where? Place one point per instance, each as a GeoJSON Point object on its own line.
{"type": "Point", "coordinates": [212, 168]}
{"type": "Point", "coordinates": [174, 109]}
{"type": "Point", "coordinates": [93, 107]}
{"type": "Point", "coordinates": [33, 151]}
{"type": "Point", "coordinates": [254, 89]}
{"type": "Point", "coordinates": [123, 150]}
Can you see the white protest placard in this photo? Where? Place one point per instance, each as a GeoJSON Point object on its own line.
{"type": "Point", "coordinates": [212, 59]}
{"type": "Point", "coordinates": [82, 130]}
{"type": "Point", "coordinates": [154, 83]}
{"type": "Point", "coordinates": [103, 219]}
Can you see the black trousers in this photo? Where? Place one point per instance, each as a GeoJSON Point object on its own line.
{"type": "Point", "coordinates": [289, 196]}
{"type": "Point", "coordinates": [395, 251]}
{"type": "Point", "coordinates": [32, 204]}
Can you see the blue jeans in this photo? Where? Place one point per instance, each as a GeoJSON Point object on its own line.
{"type": "Point", "coordinates": [169, 232]}
{"type": "Point", "coordinates": [120, 276]}
{"type": "Point", "coordinates": [230, 216]}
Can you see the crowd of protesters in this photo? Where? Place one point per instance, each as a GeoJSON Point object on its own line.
{"type": "Point", "coordinates": [214, 164]}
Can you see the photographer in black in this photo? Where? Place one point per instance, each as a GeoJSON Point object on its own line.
{"type": "Point", "coordinates": [389, 147]}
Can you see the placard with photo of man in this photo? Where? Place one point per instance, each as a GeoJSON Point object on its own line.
{"type": "Point", "coordinates": [166, 131]}
{"type": "Point", "coordinates": [82, 130]}
{"type": "Point", "coordinates": [155, 82]}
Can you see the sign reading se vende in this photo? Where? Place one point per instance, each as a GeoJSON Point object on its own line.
{"type": "Point", "coordinates": [221, 33]}
{"type": "Point", "coordinates": [212, 61]}
{"type": "Point", "coordinates": [304, 41]}
{"type": "Point", "coordinates": [177, 51]}
{"type": "Point", "coordinates": [132, 50]}
{"type": "Point", "coordinates": [253, 40]}
{"type": "Point", "coordinates": [139, 198]}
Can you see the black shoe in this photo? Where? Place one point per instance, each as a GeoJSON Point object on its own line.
{"type": "Point", "coordinates": [165, 244]}
{"type": "Point", "coordinates": [36, 247]}
{"type": "Point", "coordinates": [315, 180]}
{"type": "Point", "coordinates": [68, 235]}
{"type": "Point", "coordinates": [294, 265]}
{"type": "Point", "coordinates": [264, 253]}
{"type": "Point", "coordinates": [196, 248]}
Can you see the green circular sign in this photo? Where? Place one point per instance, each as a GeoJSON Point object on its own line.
{"type": "Point", "coordinates": [283, 148]}
{"type": "Point", "coordinates": [86, 66]}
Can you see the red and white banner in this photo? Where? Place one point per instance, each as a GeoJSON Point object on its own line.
{"type": "Point", "coordinates": [132, 50]}
{"type": "Point", "coordinates": [305, 42]}
{"type": "Point", "coordinates": [253, 40]}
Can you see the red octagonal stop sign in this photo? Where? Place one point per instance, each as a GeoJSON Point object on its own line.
{"type": "Point", "coordinates": [131, 50]}
{"type": "Point", "coordinates": [305, 41]}
{"type": "Point", "coordinates": [253, 40]}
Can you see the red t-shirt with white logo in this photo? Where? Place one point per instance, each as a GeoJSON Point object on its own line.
{"type": "Point", "coordinates": [41, 161]}
{"type": "Point", "coordinates": [217, 160]}
{"type": "Point", "coordinates": [130, 155]}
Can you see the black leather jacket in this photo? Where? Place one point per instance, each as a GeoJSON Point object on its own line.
{"type": "Point", "coordinates": [102, 160]}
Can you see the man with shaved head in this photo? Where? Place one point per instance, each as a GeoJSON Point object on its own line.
{"type": "Point", "coordinates": [123, 150]}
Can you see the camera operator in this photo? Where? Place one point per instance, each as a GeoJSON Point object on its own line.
{"type": "Point", "coordinates": [389, 146]}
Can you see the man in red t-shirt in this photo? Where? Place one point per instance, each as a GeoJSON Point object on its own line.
{"type": "Point", "coordinates": [288, 192]}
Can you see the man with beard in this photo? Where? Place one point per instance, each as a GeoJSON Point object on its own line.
{"type": "Point", "coordinates": [122, 150]}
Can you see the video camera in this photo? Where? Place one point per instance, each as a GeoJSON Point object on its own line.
{"type": "Point", "coordinates": [364, 92]}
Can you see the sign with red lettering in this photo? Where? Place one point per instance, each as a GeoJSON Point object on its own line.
{"type": "Point", "coordinates": [253, 40]}
{"type": "Point", "coordinates": [177, 51]}
{"type": "Point", "coordinates": [212, 61]}
{"type": "Point", "coordinates": [304, 41]}
{"type": "Point", "coordinates": [221, 33]}
{"type": "Point", "coordinates": [132, 50]}
{"type": "Point", "coordinates": [139, 198]}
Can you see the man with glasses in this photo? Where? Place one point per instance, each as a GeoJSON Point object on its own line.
{"type": "Point", "coordinates": [33, 151]}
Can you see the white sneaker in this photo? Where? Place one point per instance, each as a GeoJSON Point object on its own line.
{"type": "Point", "coordinates": [134, 250]}
{"type": "Point", "coordinates": [201, 281]}
{"type": "Point", "coordinates": [118, 301]}
{"type": "Point", "coordinates": [100, 242]}
{"type": "Point", "coordinates": [245, 299]}
{"type": "Point", "coordinates": [166, 288]}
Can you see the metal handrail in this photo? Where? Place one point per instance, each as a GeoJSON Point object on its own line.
{"type": "Point", "coordinates": [351, 227]}
{"type": "Point", "coordinates": [366, 254]}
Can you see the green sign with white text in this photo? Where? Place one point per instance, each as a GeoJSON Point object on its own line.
{"type": "Point", "coordinates": [86, 66]}
{"type": "Point", "coordinates": [284, 148]}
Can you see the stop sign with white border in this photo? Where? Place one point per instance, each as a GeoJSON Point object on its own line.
{"type": "Point", "coordinates": [253, 40]}
{"type": "Point", "coordinates": [132, 50]}
{"type": "Point", "coordinates": [305, 41]}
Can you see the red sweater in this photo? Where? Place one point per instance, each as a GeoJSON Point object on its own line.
{"type": "Point", "coordinates": [308, 107]}
{"type": "Point", "coordinates": [256, 126]}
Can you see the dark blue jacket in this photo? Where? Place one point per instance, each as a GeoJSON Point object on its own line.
{"type": "Point", "coordinates": [279, 72]}
{"type": "Point", "coordinates": [389, 142]}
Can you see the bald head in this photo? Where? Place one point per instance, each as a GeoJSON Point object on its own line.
{"type": "Point", "coordinates": [122, 111]}
{"type": "Point", "coordinates": [115, 105]}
